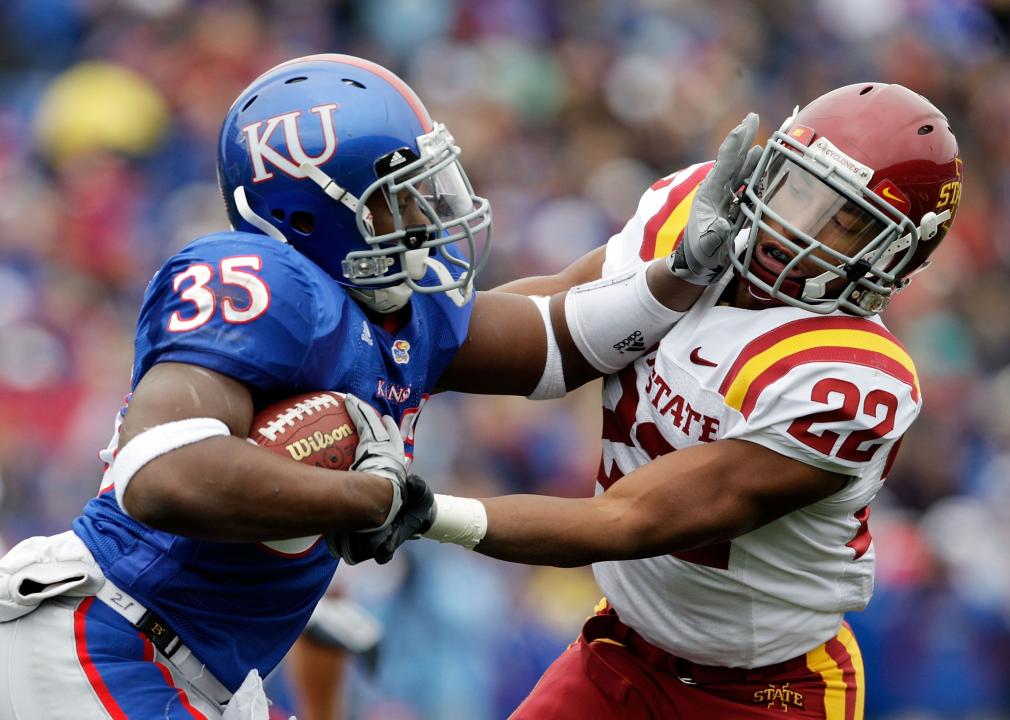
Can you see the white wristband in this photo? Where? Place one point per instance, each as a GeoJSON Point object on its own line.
{"type": "Point", "coordinates": [552, 382]}
{"type": "Point", "coordinates": [462, 521]}
{"type": "Point", "coordinates": [155, 442]}
{"type": "Point", "coordinates": [615, 320]}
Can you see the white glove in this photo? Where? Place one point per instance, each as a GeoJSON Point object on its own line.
{"type": "Point", "coordinates": [249, 702]}
{"type": "Point", "coordinates": [703, 254]}
{"type": "Point", "coordinates": [379, 452]}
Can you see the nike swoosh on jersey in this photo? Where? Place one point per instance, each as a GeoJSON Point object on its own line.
{"type": "Point", "coordinates": [697, 359]}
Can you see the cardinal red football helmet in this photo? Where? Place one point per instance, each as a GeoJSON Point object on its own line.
{"type": "Point", "coordinates": [849, 199]}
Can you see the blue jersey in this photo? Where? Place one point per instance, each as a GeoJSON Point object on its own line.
{"type": "Point", "coordinates": [257, 310]}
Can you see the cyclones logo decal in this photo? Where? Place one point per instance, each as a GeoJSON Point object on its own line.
{"type": "Point", "coordinates": [261, 152]}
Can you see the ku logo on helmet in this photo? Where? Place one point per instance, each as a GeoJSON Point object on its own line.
{"type": "Point", "coordinates": [258, 135]}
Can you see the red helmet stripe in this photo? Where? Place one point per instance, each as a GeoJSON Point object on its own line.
{"type": "Point", "coordinates": [403, 88]}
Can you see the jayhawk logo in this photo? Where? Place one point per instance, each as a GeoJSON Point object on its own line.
{"type": "Point", "coordinates": [401, 352]}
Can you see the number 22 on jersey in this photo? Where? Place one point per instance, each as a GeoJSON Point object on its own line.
{"type": "Point", "coordinates": [851, 449]}
{"type": "Point", "coordinates": [192, 286]}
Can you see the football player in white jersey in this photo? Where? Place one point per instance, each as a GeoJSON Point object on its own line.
{"type": "Point", "coordinates": [740, 454]}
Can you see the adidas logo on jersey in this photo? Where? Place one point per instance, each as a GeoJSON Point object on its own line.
{"type": "Point", "coordinates": [633, 343]}
{"type": "Point", "coordinates": [397, 159]}
{"type": "Point", "coordinates": [366, 333]}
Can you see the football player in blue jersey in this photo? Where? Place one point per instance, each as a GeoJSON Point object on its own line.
{"type": "Point", "coordinates": [350, 267]}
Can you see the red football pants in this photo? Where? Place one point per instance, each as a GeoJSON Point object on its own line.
{"type": "Point", "coordinates": [611, 672]}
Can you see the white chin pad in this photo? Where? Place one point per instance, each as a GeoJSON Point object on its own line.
{"type": "Point", "coordinates": [413, 263]}
{"type": "Point", "coordinates": [391, 299]}
{"type": "Point", "coordinates": [383, 300]}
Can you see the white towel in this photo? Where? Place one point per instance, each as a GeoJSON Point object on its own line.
{"type": "Point", "coordinates": [43, 567]}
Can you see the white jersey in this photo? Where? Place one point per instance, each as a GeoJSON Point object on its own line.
{"type": "Point", "coordinates": [834, 391]}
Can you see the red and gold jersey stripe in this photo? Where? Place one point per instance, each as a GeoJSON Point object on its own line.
{"type": "Point", "coordinates": [840, 665]}
{"type": "Point", "coordinates": [851, 340]}
{"type": "Point", "coordinates": [665, 229]}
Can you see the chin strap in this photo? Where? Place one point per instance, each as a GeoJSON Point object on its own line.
{"type": "Point", "coordinates": [391, 299]}
{"type": "Point", "coordinates": [815, 287]}
{"type": "Point", "coordinates": [928, 227]}
{"type": "Point", "coordinates": [788, 122]}
{"type": "Point", "coordinates": [340, 194]}
{"type": "Point", "coordinates": [383, 300]}
{"type": "Point", "coordinates": [246, 211]}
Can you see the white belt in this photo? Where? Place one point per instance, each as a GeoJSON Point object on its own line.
{"type": "Point", "coordinates": [165, 639]}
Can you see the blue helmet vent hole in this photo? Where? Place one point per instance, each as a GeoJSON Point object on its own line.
{"type": "Point", "coordinates": [249, 102]}
{"type": "Point", "coordinates": [302, 222]}
{"type": "Point", "coordinates": [352, 83]}
{"type": "Point", "coordinates": [291, 81]}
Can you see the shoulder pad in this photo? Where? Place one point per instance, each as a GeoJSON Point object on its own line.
{"type": "Point", "coordinates": [838, 387]}
{"type": "Point", "coordinates": [245, 305]}
{"type": "Point", "coordinates": [658, 223]}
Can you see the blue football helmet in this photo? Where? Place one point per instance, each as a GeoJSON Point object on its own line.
{"type": "Point", "coordinates": [307, 146]}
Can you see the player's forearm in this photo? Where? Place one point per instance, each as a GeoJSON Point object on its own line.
{"type": "Point", "coordinates": [683, 500]}
{"type": "Point", "coordinates": [670, 290]}
{"type": "Point", "coordinates": [547, 345]}
{"type": "Point", "coordinates": [540, 530]}
{"type": "Point", "coordinates": [667, 289]}
{"type": "Point", "coordinates": [535, 285]}
{"type": "Point", "coordinates": [227, 489]}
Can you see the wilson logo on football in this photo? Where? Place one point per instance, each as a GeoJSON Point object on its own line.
{"type": "Point", "coordinates": [301, 449]}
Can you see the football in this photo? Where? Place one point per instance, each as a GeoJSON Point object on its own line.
{"type": "Point", "coordinates": [313, 428]}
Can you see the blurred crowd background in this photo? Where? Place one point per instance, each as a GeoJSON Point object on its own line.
{"type": "Point", "coordinates": [566, 112]}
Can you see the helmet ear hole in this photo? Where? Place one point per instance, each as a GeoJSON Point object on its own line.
{"type": "Point", "coordinates": [303, 222]}
{"type": "Point", "coordinates": [278, 214]}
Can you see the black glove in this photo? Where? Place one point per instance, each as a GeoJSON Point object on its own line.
{"type": "Point", "coordinates": [415, 516]}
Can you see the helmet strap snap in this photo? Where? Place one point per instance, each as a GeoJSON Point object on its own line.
{"type": "Point", "coordinates": [416, 235]}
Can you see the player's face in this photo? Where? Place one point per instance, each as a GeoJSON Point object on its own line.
{"type": "Point", "coordinates": [779, 251]}
{"type": "Point", "coordinates": [382, 213]}
{"type": "Point", "coordinates": [807, 228]}
{"type": "Point", "coordinates": [844, 231]}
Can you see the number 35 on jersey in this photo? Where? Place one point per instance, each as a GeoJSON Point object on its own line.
{"type": "Point", "coordinates": [194, 285]}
